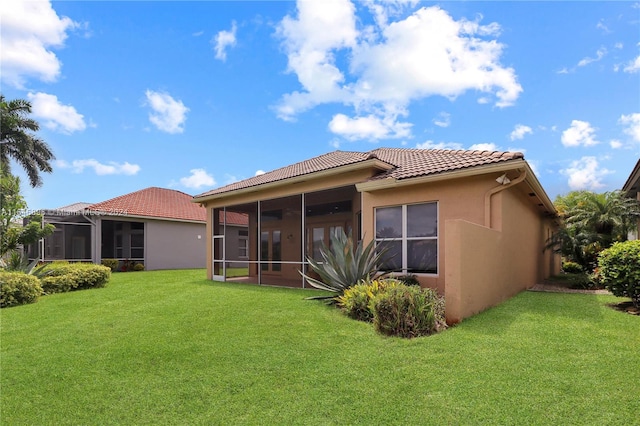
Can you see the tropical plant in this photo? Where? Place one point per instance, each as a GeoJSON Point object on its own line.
{"type": "Point", "coordinates": [619, 270]}
{"type": "Point", "coordinates": [12, 206]}
{"type": "Point", "coordinates": [343, 265]}
{"type": "Point", "coordinates": [17, 141]}
{"type": "Point", "coordinates": [408, 311]}
{"type": "Point", "coordinates": [356, 301]}
{"type": "Point", "coordinates": [592, 222]}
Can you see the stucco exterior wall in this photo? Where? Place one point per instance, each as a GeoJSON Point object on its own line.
{"type": "Point", "coordinates": [457, 199]}
{"type": "Point", "coordinates": [487, 266]}
{"type": "Point", "coordinates": [479, 266]}
{"type": "Point", "coordinates": [175, 245]}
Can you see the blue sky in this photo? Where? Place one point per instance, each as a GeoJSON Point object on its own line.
{"type": "Point", "coordinates": [196, 95]}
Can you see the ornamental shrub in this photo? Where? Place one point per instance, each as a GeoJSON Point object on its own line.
{"type": "Point", "coordinates": [83, 275]}
{"type": "Point", "coordinates": [57, 284]}
{"type": "Point", "coordinates": [17, 288]}
{"type": "Point", "coordinates": [111, 264]}
{"type": "Point", "coordinates": [138, 267]}
{"type": "Point", "coordinates": [619, 270]}
{"type": "Point", "coordinates": [356, 300]}
{"type": "Point", "coordinates": [408, 311]}
{"type": "Point", "coordinates": [572, 267]}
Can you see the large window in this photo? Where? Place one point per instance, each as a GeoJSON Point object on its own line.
{"type": "Point", "coordinates": [409, 233]}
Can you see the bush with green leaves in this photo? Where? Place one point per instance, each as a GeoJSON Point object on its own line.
{"type": "Point", "coordinates": [138, 267]}
{"type": "Point", "coordinates": [57, 284]}
{"type": "Point", "coordinates": [356, 301]}
{"type": "Point", "coordinates": [408, 311]}
{"type": "Point", "coordinates": [83, 275]}
{"type": "Point", "coordinates": [619, 270]}
{"type": "Point", "coordinates": [343, 265]}
{"type": "Point", "coordinates": [111, 264]}
{"type": "Point", "coordinates": [17, 288]}
{"type": "Point", "coordinates": [572, 267]}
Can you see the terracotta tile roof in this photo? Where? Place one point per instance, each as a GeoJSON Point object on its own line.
{"type": "Point", "coordinates": [153, 202]}
{"type": "Point", "coordinates": [75, 207]}
{"type": "Point", "coordinates": [407, 163]}
{"type": "Point", "coordinates": [422, 162]}
{"type": "Point", "coordinates": [235, 218]}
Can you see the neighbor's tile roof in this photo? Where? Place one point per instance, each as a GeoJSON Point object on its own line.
{"type": "Point", "coordinates": [75, 207]}
{"type": "Point", "coordinates": [407, 163]}
{"type": "Point", "coordinates": [235, 218]}
{"type": "Point", "coordinates": [153, 202]}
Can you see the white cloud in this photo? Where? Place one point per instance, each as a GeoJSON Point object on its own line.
{"type": "Point", "coordinates": [633, 66]}
{"type": "Point", "coordinates": [223, 40]}
{"type": "Point", "coordinates": [197, 179]}
{"type": "Point", "coordinates": [632, 123]}
{"type": "Point", "coordinates": [585, 174]}
{"type": "Point", "coordinates": [168, 114]}
{"type": "Point", "coordinates": [259, 172]}
{"type": "Point", "coordinates": [442, 120]}
{"type": "Point", "coordinates": [580, 133]}
{"type": "Point", "coordinates": [519, 131]}
{"type": "Point", "coordinates": [483, 147]}
{"type": "Point", "coordinates": [615, 144]}
{"type": "Point", "coordinates": [111, 168]}
{"type": "Point", "coordinates": [440, 145]}
{"type": "Point", "coordinates": [368, 127]}
{"type": "Point", "coordinates": [388, 65]}
{"type": "Point", "coordinates": [57, 117]}
{"type": "Point", "coordinates": [587, 60]}
{"type": "Point", "coordinates": [29, 32]}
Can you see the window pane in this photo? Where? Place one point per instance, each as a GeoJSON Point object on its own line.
{"type": "Point", "coordinates": [392, 259]}
{"type": "Point", "coordinates": [317, 243]}
{"type": "Point", "coordinates": [264, 250]}
{"type": "Point", "coordinates": [137, 253]}
{"type": "Point", "coordinates": [276, 251]}
{"type": "Point", "coordinates": [389, 222]}
{"type": "Point", "coordinates": [137, 240]}
{"type": "Point", "coordinates": [422, 220]}
{"type": "Point", "coordinates": [422, 256]}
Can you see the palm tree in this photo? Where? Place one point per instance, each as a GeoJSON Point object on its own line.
{"type": "Point", "coordinates": [609, 215]}
{"type": "Point", "coordinates": [17, 141]}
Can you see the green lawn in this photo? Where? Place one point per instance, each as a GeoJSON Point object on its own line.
{"type": "Point", "coordinates": [170, 347]}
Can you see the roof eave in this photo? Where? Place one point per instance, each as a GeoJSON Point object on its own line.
{"type": "Point", "coordinates": [532, 180]}
{"type": "Point", "coordinates": [373, 163]}
{"type": "Point", "coordinates": [133, 216]}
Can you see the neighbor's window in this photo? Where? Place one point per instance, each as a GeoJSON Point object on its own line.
{"type": "Point", "coordinates": [410, 235]}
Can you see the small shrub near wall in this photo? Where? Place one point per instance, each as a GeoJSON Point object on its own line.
{"type": "Point", "coordinates": [17, 288]}
{"type": "Point", "coordinates": [619, 270]}
{"type": "Point", "coordinates": [111, 264]}
{"type": "Point", "coordinates": [356, 300]}
{"type": "Point", "coordinates": [408, 311]}
{"type": "Point", "coordinates": [138, 267]}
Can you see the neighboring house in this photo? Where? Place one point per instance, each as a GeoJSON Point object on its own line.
{"type": "Point", "coordinates": [471, 224]}
{"type": "Point", "coordinates": [160, 228]}
{"type": "Point", "coordinates": [631, 188]}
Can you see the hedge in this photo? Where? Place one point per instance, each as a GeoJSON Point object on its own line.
{"type": "Point", "coordinates": [18, 288]}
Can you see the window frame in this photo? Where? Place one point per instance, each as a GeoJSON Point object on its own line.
{"type": "Point", "coordinates": [404, 239]}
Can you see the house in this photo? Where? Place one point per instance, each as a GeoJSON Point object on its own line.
{"type": "Point", "coordinates": [471, 224]}
{"type": "Point", "coordinates": [631, 189]}
{"type": "Point", "coordinates": [160, 228]}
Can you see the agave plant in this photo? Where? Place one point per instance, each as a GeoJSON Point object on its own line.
{"type": "Point", "coordinates": [343, 265]}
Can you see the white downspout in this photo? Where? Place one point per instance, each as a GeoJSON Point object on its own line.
{"type": "Point", "coordinates": [492, 191]}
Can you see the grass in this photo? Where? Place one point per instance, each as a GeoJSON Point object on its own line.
{"type": "Point", "coordinates": [170, 347]}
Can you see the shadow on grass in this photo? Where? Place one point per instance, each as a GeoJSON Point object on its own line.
{"type": "Point", "coordinates": [558, 308]}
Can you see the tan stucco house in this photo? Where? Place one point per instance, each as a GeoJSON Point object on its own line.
{"type": "Point", "coordinates": [631, 189]}
{"type": "Point", "coordinates": [471, 224]}
{"type": "Point", "coordinates": [160, 228]}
